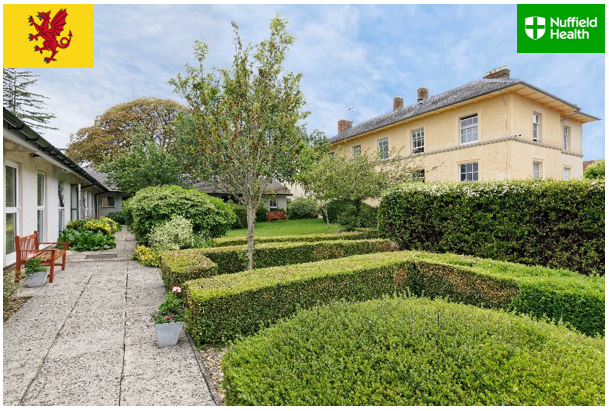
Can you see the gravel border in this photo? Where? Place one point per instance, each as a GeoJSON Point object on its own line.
{"type": "Point", "coordinates": [204, 371]}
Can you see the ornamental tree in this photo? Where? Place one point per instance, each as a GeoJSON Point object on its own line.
{"type": "Point", "coordinates": [595, 171]}
{"type": "Point", "coordinates": [245, 118]}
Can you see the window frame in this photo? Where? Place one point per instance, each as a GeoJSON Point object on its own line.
{"type": "Point", "coordinates": [10, 255]}
{"type": "Point", "coordinates": [466, 128]}
{"type": "Point", "coordinates": [106, 198]}
{"type": "Point", "coordinates": [357, 149]}
{"type": "Point", "coordinates": [385, 152]}
{"type": "Point", "coordinates": [475, 171]}
{"type": "Point", "coordinates": [537, 116]}
{"type": "Point", "coordinates": [539, 171]}
{"type": "Point", "coordinates": [419, 175]}
{"type": "Point", "coordinates": [271, 206]}
{"type": "Point", "coordinates": [41, 208]}
{"type": "Point", "coordinates": [568, 170]}
{"type": "Point", "coordinates": [418, 149]}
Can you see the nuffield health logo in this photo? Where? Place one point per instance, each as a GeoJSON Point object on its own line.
{"type": "Point", "coordinates": [561, 28]}
{"type": "Point", "coordinates": [535, 27]}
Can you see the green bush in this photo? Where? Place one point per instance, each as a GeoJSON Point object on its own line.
{"type": "Point", "coordinates": [103, 225]}
{"type": "Point", "coordinates": [350, 218]}
{"type": "Point", "coordinates": [334, 208]}
{"type": "Point", "coordinates": [240, 215]}
{"type": "Point", "coordinates": [146, 256]}
{"type": "Point", "coordinates": [152, 206]}
{"type": "Point", "coordinates": [302, 207]}
{"type": "Point", "coordinates": [224, 307]}
{"type": "Point", "coordinates": [177, 267]}
{"type": "Point", "coordinates": [360, 234]}
{"type": "Point", "coordinates": [234, 259]}
{"type": "Point", "coordinates": [595, 171]}
{"type": "Point", "coordinates": [120, 217]}
{"type": "Point", "coordinates": [87, 240]}
{"type": "Point", "coordinates": [559, 224]}
{"type": "Point", "coordinates": [414, 352]}
{"type": "Point", "coordinates": [174, 234]}
{"type": "Point", "coordinates": [260, 215]}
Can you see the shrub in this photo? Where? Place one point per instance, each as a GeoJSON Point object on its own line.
{"type": "Point", "coordinates": [414, 352]}
{"type": "Point", "coordinates": [102, 225]}
{"type": "Point", "coordinates": [87, 240]}
{"type": "Point", "coordinates": [120, 217]}
{"type": "Point", "coordinates": [334, 207]}
{"type": "Point", "coordinates": [173, 234]}
{"type": "Point", "coordinates": [558, 224]}
{"type": "Point", "coordinates": [177, 267]}
{"type": "Point", "coordinates": [170, 310]}
{"type": "Point", "coordinates": [146, 256]}
{"type": "Point", "coordinates": [595, 171]}
{"type": "Point", "coordinates": [302, 207]}
{"type": "Point", "coordinates": [350, 218]}
{"type": "Point", "coordinates": [234, 259]}
{"type": "Point", "coordinates": [260, 214]}
{"type": "Point", "coordinates": [240, 215]}
{"type": "Point", "coordinates": [355, 235]}
{"type": "Point", "coordinates": [153, 206]}
{"type": "Point", "coordinates": [224, 307]}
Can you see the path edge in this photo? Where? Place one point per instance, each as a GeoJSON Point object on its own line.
{"type": "Point", "coordinates": [206, 375]}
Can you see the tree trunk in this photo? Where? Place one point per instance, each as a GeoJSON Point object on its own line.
{"type": "Point", "coordinates": [324, 209]}
{"type": "Point", "coordinates": [251, 219]}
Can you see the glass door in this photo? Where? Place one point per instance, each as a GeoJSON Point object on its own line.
{"type": "Point", "coordinates": [73, 202]}
{"type": "Point", "coordinates": [11, 199]}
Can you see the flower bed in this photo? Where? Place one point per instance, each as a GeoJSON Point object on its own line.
{"type": "Point", "coordinates": [414, 352]}
{"type": "Point", "coordinates": [90, 234]}
{"type": "Point", "coordinates": [223, 307]}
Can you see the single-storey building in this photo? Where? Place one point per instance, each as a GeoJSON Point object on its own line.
{"type": "Point", "coordinates": [276, 199]}
{"type": "Point", "coordinates": [43, 188]}
{"type": "Point", "coordinates": [110, 201]}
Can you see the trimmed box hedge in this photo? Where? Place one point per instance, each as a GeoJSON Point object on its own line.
{"type": "Point", "coordinates": [224, 307]}
{"type": "Point", "coordinates": [179, 266]}
{"type": "Point", "coordinates": [558, 224]}
{"type": "Point", "coordinates": [234, 259]}
{"type": "Point", "coordinates": [414, 352]}
{"type": "Point", "coordinates": [358, 234]}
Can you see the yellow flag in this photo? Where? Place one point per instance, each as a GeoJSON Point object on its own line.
{"type": "Point", "coordinates": [48, 35]}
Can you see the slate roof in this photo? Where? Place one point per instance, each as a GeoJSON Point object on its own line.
{"type": "Point", "coordinates": [466, 92]}
{"type": "Point", "coordinates": [101, 177]}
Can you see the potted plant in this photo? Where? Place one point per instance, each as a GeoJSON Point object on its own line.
{"type": "Point", "coordinates": [36, 273]}
{"type": "Point", "coordinates": [169, 319]}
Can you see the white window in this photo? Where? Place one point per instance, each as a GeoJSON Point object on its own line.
{"type": "Point", "coordinates": [469, 129]}
{"type": "Point", "coordinates": [536, 126]}
{"type": "Point", "coordinates": [11, 202]}
{"type": "Point", "coordinates": [74, 199]}
{"type": "Point", "coordinates": [108, 201]}
{"type": "Point", "coordinates": [61, 212]}
{"type": "Point", "coordinates": [537, 170]}
{"type": "Point", "coordinates": [566, 138]}
{"type": "Point", "coordinates": [419, 175]}
{"type": "Point", "coordinates": [273, 203]}
{"type": "Point", "coordinates": [418, 141]}
{"type": "Point", "coordinates": [41, 205]}
{"type": "Point", "coordinates": [383, 148]}
{"type": "Point", "coordinates": [566, 173]}
{"type": "Point", "coordinates": [468, 172]}
{"type": "Point", "coordinates": [357, 150]}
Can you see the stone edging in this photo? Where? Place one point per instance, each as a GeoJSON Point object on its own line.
{"type": "Point", "coordinates": [206, 376]}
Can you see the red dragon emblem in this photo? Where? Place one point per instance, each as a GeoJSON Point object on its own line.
{"type": "Point", "coordinates": [49, 30]}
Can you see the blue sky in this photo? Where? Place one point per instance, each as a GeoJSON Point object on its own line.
{"type": "Point", "coordinates": [350, 56]}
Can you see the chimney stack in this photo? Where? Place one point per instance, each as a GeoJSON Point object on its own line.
{"type": "Point", "coordinates": [398, 103]}
{"type": "Point", "coordinates": [499, 72]}
{"type": "Point", "coordinates": [422, 94]}
{"type": "Point", "coordinates": [344, 125]}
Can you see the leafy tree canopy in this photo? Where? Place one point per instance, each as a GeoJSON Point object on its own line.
{"type": "Point", "coordinates": [595, 171]}
{"type": "Point", "coordinates": [113, 130]}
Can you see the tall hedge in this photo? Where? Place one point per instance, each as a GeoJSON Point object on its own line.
{"type": "Point", "coordinates": [223, 307]}
{"type": "Point", "coordinates": [152, 206]}
{"type": "Point", "coordinates": [559, 224]}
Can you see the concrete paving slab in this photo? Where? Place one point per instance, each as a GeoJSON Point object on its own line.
{"type": "Point", "coordinates": [87, 339]}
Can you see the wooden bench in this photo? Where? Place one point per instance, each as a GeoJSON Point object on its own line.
{"type": "Point", "coordinates": [276, 215]}
{"type": "Point", "coordinates": [28, 247]}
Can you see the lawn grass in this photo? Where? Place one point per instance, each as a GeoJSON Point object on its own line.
{"type": "Point", "coordinates": [290, 227]}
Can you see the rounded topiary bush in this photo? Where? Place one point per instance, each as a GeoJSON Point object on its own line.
{"type": "Point", "coordinates": [152, 206]}
{"type": "Point", "coordinates": [302, 207]}
{"type": "Point", "coordinates": [414, 352]}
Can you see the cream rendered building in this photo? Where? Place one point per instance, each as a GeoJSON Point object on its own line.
{"type": "Point", "coordinates": [494, 128]}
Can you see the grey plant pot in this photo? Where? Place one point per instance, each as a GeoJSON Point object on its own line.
{"type": "Point", "coordinates": [37, 279]}
{"type": "Point", "coordinates": [168, 334]}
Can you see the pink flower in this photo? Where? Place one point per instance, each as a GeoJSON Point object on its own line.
{"type": "Point", "coordinates": [176, 289]}
{"type": "Point", "coordinates": [31, 255]}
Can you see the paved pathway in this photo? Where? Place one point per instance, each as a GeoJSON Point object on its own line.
{"type": "Point", "coordinates": [86, 339]}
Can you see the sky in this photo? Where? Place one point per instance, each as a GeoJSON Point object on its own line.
{"type": "Point", "coordinates": [354, 59]}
